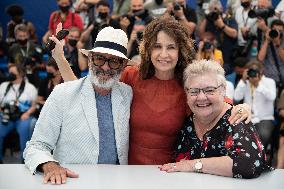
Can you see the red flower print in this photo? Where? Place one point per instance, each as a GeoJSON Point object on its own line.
{"type": "Point", "coordinates": [259, 144]}
{"type": "Point", "coordinates": [229, 142]}
{"type": "Point", "coordinates": [205, 144]}
{"type": "Point", "coordinates": [238, 150]}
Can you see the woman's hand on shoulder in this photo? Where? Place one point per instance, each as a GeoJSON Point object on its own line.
{"type": "Point", "coordinates": [240, 113]}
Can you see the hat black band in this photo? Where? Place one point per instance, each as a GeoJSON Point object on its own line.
{"type": "Point", "coordinates": [111, 45]}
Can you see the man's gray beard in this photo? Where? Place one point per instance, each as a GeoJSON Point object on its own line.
{"type": "Point", "coordinates": [100, 83]}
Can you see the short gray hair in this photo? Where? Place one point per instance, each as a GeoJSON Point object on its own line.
{"type": "Point", "coordinates": [201, 67]}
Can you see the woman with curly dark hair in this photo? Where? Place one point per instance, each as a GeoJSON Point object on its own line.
{"type": "Point", "coordinates": [158, 107]}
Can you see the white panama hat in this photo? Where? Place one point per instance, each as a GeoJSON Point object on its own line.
{"type": "Point", "coordinates": [111, 41]}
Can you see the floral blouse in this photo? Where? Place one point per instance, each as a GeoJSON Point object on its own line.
{"type": "Point", "coordinates": [240, 142]}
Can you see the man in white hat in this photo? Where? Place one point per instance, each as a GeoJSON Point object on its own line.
{"type": "Point", "coordinates": [84, 121]}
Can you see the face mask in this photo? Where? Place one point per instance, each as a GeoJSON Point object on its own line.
{"type": "Point", "coordinates": [103, 15]}
{"type": "Point", "coordinates": [22, 42]}
{"type": "Point", "coordinates": [159, 2]}
{"type": "Point", "coordinates": [64, 9]}
{"type": "Point", "coordinates": [11, 77]}
{"type": "Point", "coordinates": [245, 4]}
{"type": "Point", "coordinates": [138, 10]}
{"type": "Point", "coordinates": [50, 75]}
{"type": "Point", "coordinates": [72, 42]}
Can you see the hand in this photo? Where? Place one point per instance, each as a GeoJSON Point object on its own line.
{"type": "Point", "coordinates": [267, 37]}
{"type": "Point", "coordinates": [25, 116]}
{"type": "Point", "coordinates": [124, 22]}
{"type": "Point", "coordinates": [183, 165]}
{"type": "Point", "coordinates": [200, 46]}
{"type": "Point", "coordinates": [245, 31]}
{"type": "Point", "coordinates": [239, 113]}
{"type": "Point", "coordinates": [133, 35]}
{"type": "Point", "coordinates": [219, 22]}
{"type": "Point", "coordinates": [179, 13]}
{"type": "Point", "coordinates": [57, 52]}
{"type": "Point", "coordinates": [281, 113]}
{"type": "Point", "coordinates": [261, 24]}
{"type": "Point", "coordinates": [56, 174]}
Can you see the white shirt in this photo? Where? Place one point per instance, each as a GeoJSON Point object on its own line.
{"type": "Point", "coordinates": [280, 9]}
{"type": "Point", "coordinates": [243, 20]}
{"type": "Point", "coordinates": [29, 94]}
{"type": "Point", "coordinates": [230, 90]}
{"type": "Point", "coordinates": [261, 100]}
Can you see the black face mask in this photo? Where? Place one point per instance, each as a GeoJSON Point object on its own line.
{"type": "Point", "coordinates": [138, 10]}
{"type": "Point", "coordinates": [245, 4]}
{"type": "Point", "coordinates": [11, 77]}
{"type": "Point", "coordinates": [64, 9]}
{"type": "Point", "coordinates": [103, 15]}
{"type": "Point", "coordinates": [159, 2]}
{"type": "Point", "coordinates": [22, 42]}
{"type": "Point", "coordinates": [50, 75]}
{"type": "Point", "coordinates": [72, 42]}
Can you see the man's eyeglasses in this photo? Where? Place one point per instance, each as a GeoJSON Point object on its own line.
{"type": "Point", "coordinates": [100, 60]}
{"type": "Point", "coordinates": [207, 90]}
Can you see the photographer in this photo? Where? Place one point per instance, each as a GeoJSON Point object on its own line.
{"type": "Point", "coordinates": [246, 27]}
{"type": "Point", "coordinates": [207, 49]}
{"type": "Point", "coordinates": [272, 53]}
{"type": "Point", "coordinates": [16, 13]}
{"type": "Point", "coordinates": [65, 16]}
{"type": "Point", "coordinates": [185, 15]}
{"type": "Point", "coordinates": [17, 102]}
{"type": "Point", "coordinates": [138, 15]}
{"type": "Point", "coordinates": [259, 92]}
{"type": "Point", "coordinates": [101, 19]}
{"type": "Point", "coordinates": [26, 53]}
{"type": "Point", "coordinates": [264, 14]}
{"type": "Point", "coordinates": [224, 29]}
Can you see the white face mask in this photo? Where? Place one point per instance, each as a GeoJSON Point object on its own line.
{"type": "Point", "coordinates": [104, 84]}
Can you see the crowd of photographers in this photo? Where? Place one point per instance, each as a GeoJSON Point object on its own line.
{"type": "Point", "coordinates": [246, 38]}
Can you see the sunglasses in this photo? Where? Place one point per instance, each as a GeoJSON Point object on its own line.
{"type": "Point", "coordinates": [100, 60]}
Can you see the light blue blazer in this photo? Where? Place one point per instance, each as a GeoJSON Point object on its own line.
{"type": "Point", "coordinates": [68, 125]}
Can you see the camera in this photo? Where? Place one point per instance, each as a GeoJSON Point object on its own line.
{"type": "Point", "coordinates": [141, 14]}
{"type": "Point", "coordinates": [139, 35]}
{"type": "Point", "coordinates": [11, 112]}
{"type": "Point", "coordinates": [263, 13]}
{"type": "Point", "coordinates": [252, 73]}
{"type": "Point", "coordinates": [207, 45]}
{"type": "Point", "coordinates": [100, 24]}
{"type": "Point", "coordinates": [177, 7]}
{"type": "Point", "coordinates": [212, 16]}
{"type": "Point", "coordinates": [274, 34]}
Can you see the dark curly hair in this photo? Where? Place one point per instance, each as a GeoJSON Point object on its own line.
{"type": "Point", "coordinates": [181, 36]}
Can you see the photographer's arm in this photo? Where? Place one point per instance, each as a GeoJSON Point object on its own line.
{"type": "Point", "coordinates": [263, 50]}
{"type": "Point", "coordinates": [86, 34]}
{"type": "Point", "coordinates": [189, 25]}
{"type": "Point", "coordinates": [229, 31]}
{"type": "Point", "coordinates": [202, 27]}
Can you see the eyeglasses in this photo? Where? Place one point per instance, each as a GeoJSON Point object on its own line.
{"type": "Point", "coordinates": [207, 90]}
{"type": "Point", "coordinates": [100, 60]}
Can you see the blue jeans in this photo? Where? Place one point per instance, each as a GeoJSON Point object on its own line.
{"type": "Point", "coordinates": [23, 129]}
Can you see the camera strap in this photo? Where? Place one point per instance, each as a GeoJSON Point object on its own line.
{"type": "Point", "coordinates": [276, 62]}
{"type": "Point", "coordinates": [21, 89]}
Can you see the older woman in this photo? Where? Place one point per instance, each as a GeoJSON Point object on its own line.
{"type": "Point", "coordinates": [208, 143]}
